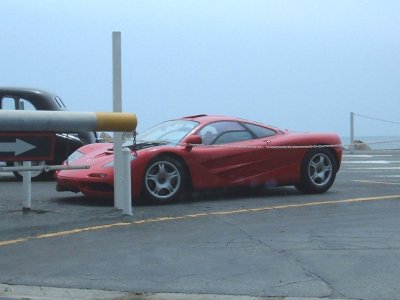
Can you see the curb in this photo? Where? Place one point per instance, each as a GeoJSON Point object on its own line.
{"type": "Point", "coordinates": [22, 292]}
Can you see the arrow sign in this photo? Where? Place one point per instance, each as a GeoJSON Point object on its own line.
{"type": "Point", "coordinates": [18, 147]}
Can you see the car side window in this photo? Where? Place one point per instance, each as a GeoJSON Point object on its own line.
{"type": "Point", "coordinates": [223, 132]}
{"type": "Point", "coordinates": [11, 103]}
{"type": "Point", "coordinates": [233, 136]}
{"type": "Point", "coordinates": [8, 103]}
{"type": "Point", "coordinates": [260, 131]}
{"type": "Point", "coordinates": [26, 105]}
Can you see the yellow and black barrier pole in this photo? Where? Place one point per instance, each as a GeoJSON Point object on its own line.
{"type": "Point", "coordinates": [66, 121]}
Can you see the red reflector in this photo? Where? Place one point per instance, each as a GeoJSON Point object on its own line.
{"type": "Point", "coordinates": [98, 175]}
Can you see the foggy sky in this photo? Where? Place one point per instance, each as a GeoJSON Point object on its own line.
{"type": "Point", "coordinates": [296, 64]}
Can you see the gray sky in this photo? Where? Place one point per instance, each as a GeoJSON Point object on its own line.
{"type": "Point", "coordinates": [296, 64]}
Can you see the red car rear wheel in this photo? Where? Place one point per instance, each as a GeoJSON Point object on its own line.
{"type": "Point", "coordinates": [318, 171]}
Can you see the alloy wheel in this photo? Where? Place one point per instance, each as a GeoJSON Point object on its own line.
{"type": "Point", "coordinates": [320, 169]}
{"type": "Point", "coordinates": [163, 179]}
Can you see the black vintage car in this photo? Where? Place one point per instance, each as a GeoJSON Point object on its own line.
{"type": "Point", "coordinates": [33, 99]}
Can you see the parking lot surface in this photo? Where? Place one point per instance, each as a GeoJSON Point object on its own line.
{"type": "Point", "coordinates": [259, 243]}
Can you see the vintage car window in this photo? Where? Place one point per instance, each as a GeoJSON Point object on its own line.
{"type": "Point", "coordinates": [260, 131]}
{"type": "Point", "coordinates": [9, 103]}
{"type": "Point", "coordinates": [224, 132]}
{"type": "Point", "coordinates": [26, 105]}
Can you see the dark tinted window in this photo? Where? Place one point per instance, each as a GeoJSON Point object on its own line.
{"type": "Point", "coordinates": [233, 136]}
{"type": "Point", "coordinates": [224, 132]}
{"type": "Point", "coordinates": [260, 131]}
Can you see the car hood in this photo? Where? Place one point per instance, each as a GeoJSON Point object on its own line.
{"type": "Point", "coordinates": [103, 153]}
{"type": "Point", "coordinates": [94, 154]}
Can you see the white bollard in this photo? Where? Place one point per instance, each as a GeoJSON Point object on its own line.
{"type": "Point", "coordinates": [118, 171]}
{"type": "Point", "coordinates": [27, 188]}
{"type": "Point", "coordinates": [126, 187]}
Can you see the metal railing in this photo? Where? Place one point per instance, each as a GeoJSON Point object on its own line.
{"type": "Point", "coordinates": [45, 168]}
{"type": "Point", "coordinates": [353, 141]}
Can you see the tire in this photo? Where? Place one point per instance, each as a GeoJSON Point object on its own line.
{"type": "Point", "coordinates": [165, 180]}
{"type": "Point", "coordinates": [318, 171]}
{"type": "Point", "coordinates": [35, 175]}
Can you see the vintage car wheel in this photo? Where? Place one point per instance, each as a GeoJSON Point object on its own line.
{"type": "Point", "coordinates": [34, 174]}
{"type": "Point", "coordinates": [164, 180]}
{"type": "Point", "coordinates": [318, 171]}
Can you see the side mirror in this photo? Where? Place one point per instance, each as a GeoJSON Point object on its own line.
{"type": "Point", "coordinates": [193, 140]}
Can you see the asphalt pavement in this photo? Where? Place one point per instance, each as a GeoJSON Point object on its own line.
{"type": "Point", "coordinates": [250, 244]}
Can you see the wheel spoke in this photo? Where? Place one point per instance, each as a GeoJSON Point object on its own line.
{"type": "Point", "coordinates": [157, 189]}
{"type": "Point", "coordinates": [313, 164]}
{"type": "Point", "coordinates": [327, 172]}
{"type": "Point", "coordinates": [174, 174]}
{"type": "Point", "coordinates": [318, 178]}
{"type": "Point", "coordinates": [328, 168]}
{"type": "Point", "coordinates": [152, 177]}
{"type": "Point", "coordinates": [161, 168]}
{"type": "Point", "coordinates": [315, 176]}
{"type": "Point", "coordinates": [169, 187]}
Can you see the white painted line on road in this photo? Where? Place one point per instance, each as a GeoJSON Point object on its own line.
{"type": "Point", "coordinates": [367, 162]}
{"type": "Point", "coordinates": [375, 168]}
{"type": "Point", "coordinates": [357, 171]}
{"type": "Point", "coordinates": [377, 182]}
{"type": "Point", "coordinates": [365, 155]}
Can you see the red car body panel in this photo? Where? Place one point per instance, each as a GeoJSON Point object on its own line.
{"type": "Point", "coordinates": [247, 163]}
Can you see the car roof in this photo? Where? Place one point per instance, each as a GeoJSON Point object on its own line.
{"type": "Point", "coordinates": [210, 118]}
{"type": "Point", "coordinates": [41, 99]}
{"type": "Point", "coordinates": [204, 119]}
{"type": "Point", "coordinates": [24, 91]}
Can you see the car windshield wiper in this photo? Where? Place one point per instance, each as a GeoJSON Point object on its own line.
{"type": "Point", "coordinates": [141, 145]}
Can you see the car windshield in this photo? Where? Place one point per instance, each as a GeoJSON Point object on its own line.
{"type": "Point", "coordinates": [169, 132]}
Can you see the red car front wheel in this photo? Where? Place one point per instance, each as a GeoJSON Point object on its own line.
{"type": "Point", "coordinates": [164, 180]}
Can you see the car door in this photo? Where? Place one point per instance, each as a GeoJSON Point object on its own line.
{"type": "Point", "coordinates": [231, 154]}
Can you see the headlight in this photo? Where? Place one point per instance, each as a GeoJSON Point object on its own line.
{"type": "Point", "coordinates": [74, 156]}
{"type": "Point", "coordinates": [111, 163]}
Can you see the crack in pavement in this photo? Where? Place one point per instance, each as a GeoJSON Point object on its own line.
{"type": "Point", "coordinates": [282, 252]}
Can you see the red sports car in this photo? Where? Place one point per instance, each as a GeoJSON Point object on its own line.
{"type": "Point", "coordinates": [203, 152]}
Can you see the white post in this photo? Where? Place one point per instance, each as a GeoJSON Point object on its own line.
{"type": "Point", "coordinates": [117, 107]}
{"type": "Point", "coordinates": [351, 133]}
{"type": "Point", "coordinates": [127, 197]}
{"type": "Point", "coordinates": [27, 188]}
